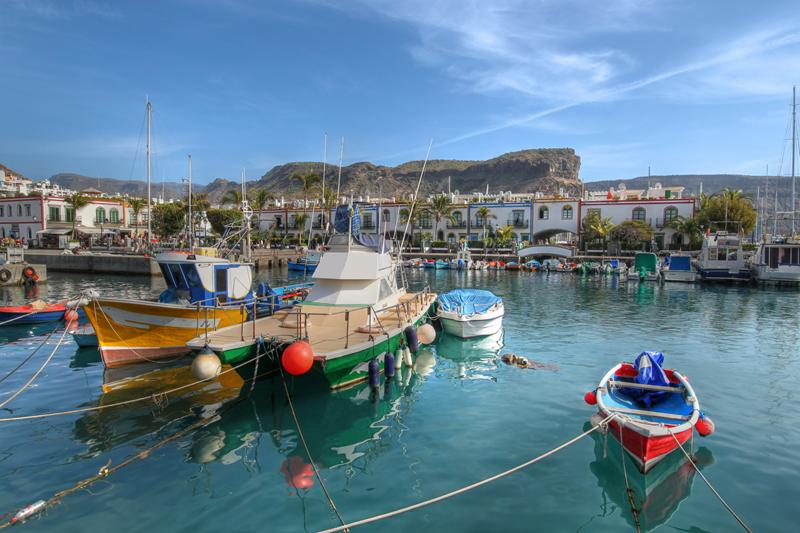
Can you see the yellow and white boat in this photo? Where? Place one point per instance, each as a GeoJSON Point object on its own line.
{"type": "Point", "coordinates": [203, 294]}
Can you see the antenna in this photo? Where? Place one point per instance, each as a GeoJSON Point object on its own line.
{"type": "Point", "coordinates": [414, 198]}
{"type": "Point", "coordinates": [149, 108]}
{"type": "Point", "coordinates": [322, 194]}
{"type": "Point", "coordinates": [794, 151]}
{"type": "Point", "coordinates": [191, 220]}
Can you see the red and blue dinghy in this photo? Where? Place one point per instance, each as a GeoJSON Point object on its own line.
{"type": "Point", "coordinates": [37, 312]}
{"type": "Point", "coordinates": [651, 405]}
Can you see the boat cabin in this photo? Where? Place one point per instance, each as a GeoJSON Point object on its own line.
{"type": "Point", "coordinates": [779, 254]}
{"type": "Point", "coordinates": [204, 280]}
{"type": "Point", "coordinates": [681, 263]}
{"type": "Point", "coordinates": [647, 261]}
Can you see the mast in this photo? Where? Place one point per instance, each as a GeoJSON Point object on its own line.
{"type": "Point", "coordinates": [322, 198]}
{"type": "Point", "coordinates": [339, 183]}
{"type": "Point", "coordinates": [794, 150]}
{"type": "Point", "coordinates": [191, 220]}
{"type": "Point", "coordinates": [149, 192]}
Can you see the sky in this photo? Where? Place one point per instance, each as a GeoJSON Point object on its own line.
{"type": "Point", "coordinates": [678, 86]}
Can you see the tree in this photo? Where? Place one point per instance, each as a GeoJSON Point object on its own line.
{"type": "Point", "coordinates": [300, 222]}
{"type": "Point", "coordinates": [484, 214]}
{"type": "Point", "coordinates": [411, 219]}
{"type": "Point", "coordinates": [632, 232]}
{"type": "Point", "coordinates": [77, 201]}
{"type": "Point", "coordinates": [690, 227]}
{"type": "Point", "coordinates": [168, 219]}
{"type": "Point", "coordinates": [219, 218]}
{"type": "Point", "coordinates": [231, 196]}
{"type": "Point", "coordinates": [440, 208]}
{"type": "Point", "coordinates": [200, 202]}
{"type": "Point", "coordinates": [595, 228]}
{"type": "Point", "coordinates": [727, 210]}
{"type": "Point", "coordinates": [137, 204]}
{"type": "Point", "coordinates": [504, 235]}
{"type": "Point", "coordinates": [259, 198]}
{"type": "Point", "coordinates": [307, 183]}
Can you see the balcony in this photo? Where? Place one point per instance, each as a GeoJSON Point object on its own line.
{"type": "Point", "coordinates": [518, 223]}
{"type": "Point", "coordinates": [368, 225]}
{"type": "Point", "coordinates": [458, 224]}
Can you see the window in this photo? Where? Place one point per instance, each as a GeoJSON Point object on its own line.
{"type": "Point", "coordinates": [670, 214]}
{"type": "Point", "coordinates": [544, 213]}
{"type": "Point", "coordinates": [69, 214]}
{"type": "Point", "coordinates": [403, 214]}
{"type": "Point", "coordinates": [638, 214]}
{"type": "Point", "coordinates": [27, 210]}
{"type": "Point", "coordinates": [54, 214]}
{"type": "Point", "coordinates": [99, 215]}
{"type": "Point", "coordinates": [113, 215]}
{"type": "Point", "coordinates": [457, 217]}
{"type": "Point", "coordinates": [368, 220]}
{"type": "Point", "coordinates": [19, 210]}
{"type": "Point", "coordinates": [386, 215]}
{"type": "Point", "coordinates": [2, 211]}
{"type": "Point", "coordinates": [566, 212]}
{"type": "Point", "coordinates": [518, 218]}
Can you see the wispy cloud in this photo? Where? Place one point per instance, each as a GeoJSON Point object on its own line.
{"type": "Point", "coordinates": [55, 9]}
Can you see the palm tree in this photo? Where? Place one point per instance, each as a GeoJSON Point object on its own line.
{"type": "Point", "coordinates": [484, 214]}
{"type": "Point", "coordinates": [200, 202]}
{"type": "Point", "coordinates": [505, 234]}
{"type": "Point", "coordinates": [300, 222]}
{"type": "Point", "coordinates": [259, 198]}
{"type": "Point", "coordinates": [307, 183]}
{"type": "Point", "coordinates": [687, 226]}
{"type": "Point", "coordinates": [137, 204]}
{"type": "Point", "coordinates": [77, 201]}
{"type": "Point", "coordinates": [440, 207]}
{"type": "Point", "coordinates": [601, 228]}
{"type": "Point", "coordinates": [411, 218]}
{"type": "Point", "coordinates": [231, 196]}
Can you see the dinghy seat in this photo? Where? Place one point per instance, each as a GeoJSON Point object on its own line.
{"type": "Point", "coordinates": [649, 383]}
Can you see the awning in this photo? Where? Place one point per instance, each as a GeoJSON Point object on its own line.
{"type": "Point", "coordinates": [88, 231]}
{"type": "Point", "coordinates": [54, 231]}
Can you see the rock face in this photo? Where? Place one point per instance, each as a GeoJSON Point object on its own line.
{"type": "Point", "coordinates": [547, 170]}
{"type": "Point", "coordinates": [78, 182]}
{"type": "Point", "coordinates": [711, 183]}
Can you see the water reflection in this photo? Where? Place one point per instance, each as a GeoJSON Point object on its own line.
{"type": "Point", "coordinates": [472, 357]}
{"type": "Point", "coordinates": [658, 494]}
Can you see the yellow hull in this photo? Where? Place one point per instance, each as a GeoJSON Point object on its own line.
{"type": "Point", "coordinates": [134, 332]}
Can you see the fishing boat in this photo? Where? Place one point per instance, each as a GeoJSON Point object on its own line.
{"type": "Point", "coordinates": [615, 266]}
{"type": "Point", "coordinates": [497, 265]}
{"type": "Point", "coordinates": [203, 293]}
{"type": "Point", "coordinates": [469, 313]}
{"type": "Point", "coordinates": [722, 258]}
{"type": "Point", "coordinates": [36, 312]}
{"type": "Point", "coordinates": [679, 267]}
{"type": "Point", "coordinates": [441, 264]}
{"type": "Point", "coordinates": [430, 263]}
{"type": "Point", "coordinates": [777, 261]}
{"type": "Point", "coordinates": [462, 261]}
{"type": "Point", "coordinates": [645, 267]}
{"type": "Point", "coordinates": [84, 336]}
{"type": "Point", "coordinates": [355, 313]}
{"type": "Point", "coordinates": [306, 263]}
{"type": "Point", "coordinates": [513, 265]}
{"type": "Point", "coordinates": [654, 408]}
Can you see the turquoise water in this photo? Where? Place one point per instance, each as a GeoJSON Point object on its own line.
{"type": "Point", "coordinates": [460, 417]}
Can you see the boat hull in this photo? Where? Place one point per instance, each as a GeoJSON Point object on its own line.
{"type": "Point", "coordinates": [471, 327]}
{"type": "Point", "coordinates": [685, 276]}
{"type": "Point", "coordinates": [764, 274]}
{"type": "Point", "coordinates": [724, 274]}
{"type": "Point", "coordinates": [340, 371]}
{"type": "Point", "coordinates": [301, 267]}
{"type": "Point", "coordinates": [42, 317]}
{"type": "Point", "coordinates": [645, 449]}
{"type": "Point", "coordinates": [133, 332]}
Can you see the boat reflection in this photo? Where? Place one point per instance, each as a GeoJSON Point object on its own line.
{"type": "Point", "coordinates": [342, 427]}
{"type": "Point", "coordinates": [658, 494]}
{"type": "Point", "coordinates": [107, 428]}
{"type": "Point", "coordinates": [474, 357]}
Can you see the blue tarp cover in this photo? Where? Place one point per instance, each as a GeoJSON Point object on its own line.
{"type": "Point", "coordinates": [680, 262]}
{"type": "Point", "coordinates": [648, 366]}
{"type": "Point", "coordinates": [468, 301]}
{"type": "Point", "coordinates": [342, 222]}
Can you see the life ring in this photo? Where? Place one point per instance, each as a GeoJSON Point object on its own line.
{"type": "Point", "coordinates": [5, 275]}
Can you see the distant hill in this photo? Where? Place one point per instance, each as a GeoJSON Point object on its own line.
{"type": "Point", "coordinates": [711, 183]}
{"type": "Point", "coordinates": [544, 169]}
{"type": "Point", "coordinates": [78, 182]}
{"type": "Point", "coordinates": [5, 170]}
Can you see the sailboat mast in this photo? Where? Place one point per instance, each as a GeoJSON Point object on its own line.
{"type": "Point", "coordinates": [149, 191]}
{"type": "Point", "coordinates": [794, 151]}
{"type": "Point", "coordinates": [191, 220]}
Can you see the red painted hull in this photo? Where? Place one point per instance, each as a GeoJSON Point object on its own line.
{"type": "Point", "coordinates": [647, 450]}
{"type": "Point", "coordinates": [114, 357]}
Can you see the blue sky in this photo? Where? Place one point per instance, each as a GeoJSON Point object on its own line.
{"type": "Point", "coordinates": [682, 86]}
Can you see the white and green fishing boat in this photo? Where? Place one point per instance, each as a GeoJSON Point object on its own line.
{"type": "Point", "coordinates": [356, 311]}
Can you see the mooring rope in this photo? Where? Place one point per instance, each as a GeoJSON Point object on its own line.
{"type": "Point", "coordinates": [628, 489]}
{"type": "Point", "coordinates": [344, 526]}
{"type": "Point", "coordinates": [36, 374]}
{"type": "Point", "coordinates": [472, 486]}
{"type": "Point", "coordinates": [707, 482]}
{"type": "Point", "coordinates": [10, 320]}
{"type": "Point", "coordinates": [30, 355]}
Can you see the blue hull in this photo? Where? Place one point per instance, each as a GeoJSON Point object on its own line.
{"type": "Point", "coordinates": [37, 318]}
{"type": "Point", "coordinates": [724, 275]}
{"type": "Point", "coordinates": [301, 267]}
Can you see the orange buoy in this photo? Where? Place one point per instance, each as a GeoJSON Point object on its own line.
{"type": "Point", "coordinates": [590, 397]}
{"type": "Point", "coordinates": [298, 358]}
{"type": "Point", "coordinates": [71, 315]}
{"type": "Point", "coordinates": [704, 426]}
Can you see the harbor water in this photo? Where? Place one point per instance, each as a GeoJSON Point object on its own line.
{"type": "Point", "coordinates": [459, 416]}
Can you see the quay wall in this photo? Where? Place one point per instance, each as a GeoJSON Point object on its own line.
{"type": "Point", "coordinates": [135, 265]}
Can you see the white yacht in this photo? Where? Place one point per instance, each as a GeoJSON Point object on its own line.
{"type": "Point", "coordinates": [722, 258]}
{"type": "Point", "coordinates": [470, 313]}
{"type": "Point", "coordinates": [777, 261]}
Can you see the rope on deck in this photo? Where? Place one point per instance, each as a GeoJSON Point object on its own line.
{"type": "Point", "coordinates": [707, 482]}
{"type": "Point", "coordinates": [36, 374]}
{"type": "Point", "coordinates": [468, 488]}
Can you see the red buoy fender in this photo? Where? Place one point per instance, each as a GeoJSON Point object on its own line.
{"type": "Point", "coordinates": [590, 397]}
{"type": "Point", "coordinates": [29, 272]}
{"type": "Point", "coordinates": [298, 358]}
{"type": "Point", "coordinates": [298, 474]}
{"type": "Point", "coordinates": [704, 426]}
